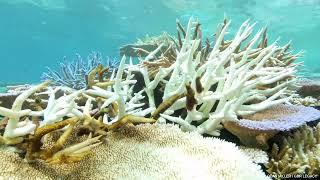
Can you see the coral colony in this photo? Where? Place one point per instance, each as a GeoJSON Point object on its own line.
{"type": "Point", "coordinates": [73, 74]}
{"type": "Point", "coordinates": [201, 88]}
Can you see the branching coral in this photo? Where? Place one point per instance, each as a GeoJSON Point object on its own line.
{"type": "Point", "coordinates": [14, 129]}
{"type": "Point", "coordinates": [20, 132]}
{"type": "Point", "coordinates": [299, 154]}
{"type": "Point", "coordinates": [66, 112]}
{"type": "Point", "coordinates": [202, 88]}
{"type": "Point", "coordinates": [122, 93]}
{"type": "Point", "coordinates": [230, 79]}
{"type": "Point", "coordinates": [73, 74]}
{"type": "Point", "coordinates": [148, 44]}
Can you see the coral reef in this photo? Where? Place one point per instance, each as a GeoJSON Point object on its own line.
{"type": "Point", "coordinates": [145, 151]}
{"type": "Point", "coordinates": [241, 84]}
{"type": "Point", "coordinates": [11, 93]}
{"type": "Point", "coordinates": [220, 83]}
{"type": "Point", "coordinates": [299, 154]}
{"type": "Point", "coordinates": [7, 99]}
{"type": "Point", "coordinates": [73, 74]}
{"type": "Point", "coordinates": [308, 93]}
{"type": "Point", "coordinates": [55, 113]}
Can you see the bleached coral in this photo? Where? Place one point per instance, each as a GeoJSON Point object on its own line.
{"type": "Point", "coordinates": [14, 128]}
{"type": "Point", "coordinates": [156, 40]}
{"type": "Point", "coordinates": [305, 101]}
{"type": "Point", "coordinates": [256, 155]}
{"type": "Point", "coordinates": [54, 112]}
{"type": "Point", "coordinates": [200, 91]}
{"type": "Point", "coordinates": [230, 82]}
{"type": "Point", "coordinates": [56, 109]}
{"type": "Point", "coordinates": [144, 152]}
{"type": "Point", "coordinates": [122, 93]}
{"type": "Point", "coordinates": [67, 110]}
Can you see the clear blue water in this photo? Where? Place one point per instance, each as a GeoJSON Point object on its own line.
{"type": "Point", "coordinates": [38, 33]}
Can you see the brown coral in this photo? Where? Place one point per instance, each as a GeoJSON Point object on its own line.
{"type": "Point", "coordinates": [299, 154]}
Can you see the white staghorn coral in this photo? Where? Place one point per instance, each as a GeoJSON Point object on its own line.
{"type": "Point", "coordinates": [234, 83]}
{"type": "Point", "coordinates": [122, 93]}
{"type": "Point", "coordinates": [15, 128]}
{"type": "Point", "coordinates": [58, 108]}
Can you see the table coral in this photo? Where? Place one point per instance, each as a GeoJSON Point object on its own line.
{"type": "Point", "coordinates": [281, 118]}
{"type": "Point", "coordinates": [255, 130]}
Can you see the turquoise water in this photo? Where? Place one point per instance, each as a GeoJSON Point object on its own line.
{"type": "Point", "coordinates": [38, 33]}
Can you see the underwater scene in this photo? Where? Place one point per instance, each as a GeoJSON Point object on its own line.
{"type": "Point", "coordinates": [166, 89]}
